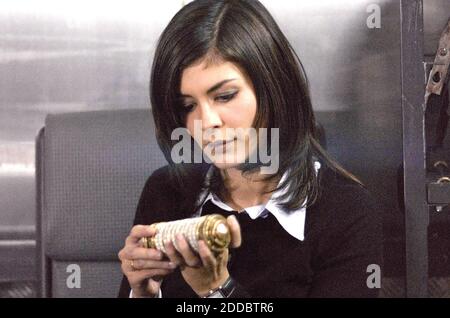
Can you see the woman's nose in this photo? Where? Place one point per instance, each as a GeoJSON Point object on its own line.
{"type": "Point", "coordinates": [210, 117]}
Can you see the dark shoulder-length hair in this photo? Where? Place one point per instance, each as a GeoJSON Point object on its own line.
{"type": "Point", "coordinates": [242, 32]}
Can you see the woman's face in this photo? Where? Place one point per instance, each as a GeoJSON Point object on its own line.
{"type": "Point", "coordinates": [221, 104]}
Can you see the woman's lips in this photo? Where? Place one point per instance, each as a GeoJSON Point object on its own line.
{"type": "Point", "coordinates": [219, 143]}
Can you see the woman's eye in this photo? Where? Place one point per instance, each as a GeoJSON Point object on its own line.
{"type": "Point", "coordinates": [222, 98]}
{"type": "Point", "coordinates": [188, 108]}
{"type": "Point", "coordinates": [226, 97]}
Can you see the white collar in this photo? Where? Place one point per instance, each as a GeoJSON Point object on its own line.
{"type": "Point", "coordinates": [292, 222]}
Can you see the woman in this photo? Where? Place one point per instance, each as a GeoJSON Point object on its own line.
{"type": "Point", "coordinates": [223, 70]}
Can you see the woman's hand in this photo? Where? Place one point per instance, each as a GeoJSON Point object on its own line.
{"type": "Point", "coordinates": [144, 268]}
{"type": "Point", "coordinates": [203, 271]}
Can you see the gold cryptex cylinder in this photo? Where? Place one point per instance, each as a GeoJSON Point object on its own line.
{"type": "Point", "coordinates": [213, 229]}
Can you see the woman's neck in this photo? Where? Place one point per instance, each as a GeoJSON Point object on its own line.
{"type": "Point", "coordinates": [245, 191]}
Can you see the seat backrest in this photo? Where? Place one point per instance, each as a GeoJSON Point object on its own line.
{"type": "Point", "coordinates": [90, 168]}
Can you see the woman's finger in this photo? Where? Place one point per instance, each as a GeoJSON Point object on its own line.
{"type": "Point", "coordinates": [206, 256]}
{"type": "Point", "coordinates": [139, 276]}
{"type": "Point", "coordinates": [140, 231]}
{"type": "Point", "coordinates": [235, 230]}
{"type": "Point", "coordinates": [172, 254]}
{"type": "Point", "coordinates": [142, 253]}
{"type": "Point", "coordinates": [190, 259]}
{"type": "Point", "coordinates": [142, 264]}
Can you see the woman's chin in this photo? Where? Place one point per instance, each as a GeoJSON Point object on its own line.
{"type": "Point", "coordinates": [226, 163]}
{"type": "Point", "coordinates": [225, 166]}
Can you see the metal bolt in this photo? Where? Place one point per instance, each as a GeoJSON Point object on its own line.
{"type": "Point", "coordinates": [443, 51]}
{"type": "Point", "coordinates": [437, 77]}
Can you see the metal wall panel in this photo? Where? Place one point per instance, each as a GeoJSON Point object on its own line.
{"type": "Point", "coordinates": [63, 56]}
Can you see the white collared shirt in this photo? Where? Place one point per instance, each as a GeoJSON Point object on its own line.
{"type": "Point", "coordinates": [292, 222]}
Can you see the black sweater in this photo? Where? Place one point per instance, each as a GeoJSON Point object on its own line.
{"type": "Point", "coordinates": [343, 236]}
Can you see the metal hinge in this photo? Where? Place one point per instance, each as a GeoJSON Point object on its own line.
{"type": "Point", "coordinates": [438, 74]}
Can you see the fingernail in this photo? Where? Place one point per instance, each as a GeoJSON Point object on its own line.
{"type": "Point", "coordinates": [172, 265]}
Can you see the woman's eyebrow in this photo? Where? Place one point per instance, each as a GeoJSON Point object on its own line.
{"type": "Point", "coordinates": [215, 87]}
